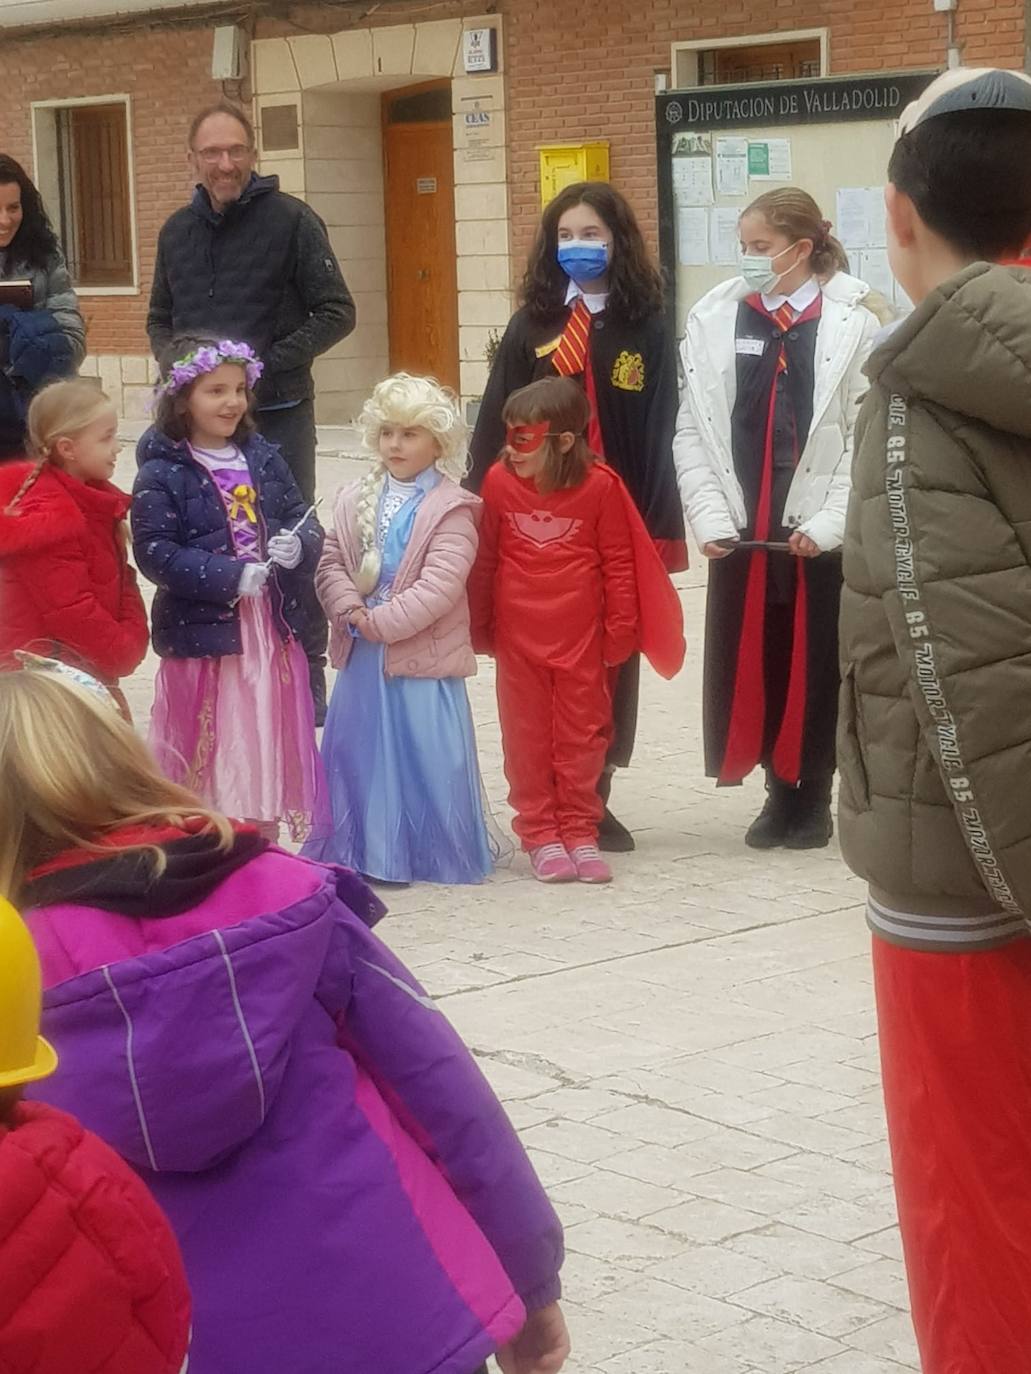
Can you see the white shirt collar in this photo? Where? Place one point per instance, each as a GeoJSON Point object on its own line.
{"type": "Point", "coordinates": [799, 300]}
{"type": "Point", "coordinates": [595, 302]}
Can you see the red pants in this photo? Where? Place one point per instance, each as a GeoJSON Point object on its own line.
{"type": "Point", "coordinates": [955, 1033]}
{"type": "Point", "coordinates": [556, 725]}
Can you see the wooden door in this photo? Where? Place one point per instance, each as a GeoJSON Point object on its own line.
{"type": "Point", "coordinates": [422, 274]}
{"type": "Point", "coordinates": [103, 233]}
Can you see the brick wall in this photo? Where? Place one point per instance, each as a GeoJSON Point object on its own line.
{"type": "Point", "coordinates": [580, 70]}
{"type": "Point", "coordinates": [585, 69]}
{"type": "Point", "coordinates": [167, 74]}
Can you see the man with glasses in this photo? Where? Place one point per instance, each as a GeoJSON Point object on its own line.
{"type": "Point", "coordinates": [246, 261]}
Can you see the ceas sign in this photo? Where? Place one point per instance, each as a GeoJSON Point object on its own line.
{"type": "Point", "coordinates": [480, 50]}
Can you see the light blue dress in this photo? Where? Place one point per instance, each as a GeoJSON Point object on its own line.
{"type": "Point", "coordinates": [400, 752]}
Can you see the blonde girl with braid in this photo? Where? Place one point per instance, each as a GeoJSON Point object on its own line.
{"type": "Point", "coordinates": [66, 587]}
{"type": "Point", "coordinates": [399, 748]}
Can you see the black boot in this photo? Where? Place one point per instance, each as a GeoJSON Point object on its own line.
{"type": "Point", "coordinates": [613, 836]}
{"type": "Point", "coordinates": [811, 824]}
{"type": "Point", "coordinates": [773, 823]}
{"type": "Point", "coordinates": [317, 677]}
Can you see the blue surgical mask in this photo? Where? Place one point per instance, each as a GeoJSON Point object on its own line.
{"type": "Point", "coordinates": [583, 259]}
{"type": "Point", "coordinates": [759, 272]}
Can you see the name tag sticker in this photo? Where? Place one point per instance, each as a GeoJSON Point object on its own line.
{"type": "Point", "coordinates": [752, 348]}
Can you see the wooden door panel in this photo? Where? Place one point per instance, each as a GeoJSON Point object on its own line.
{"type": "Point", "coordinates": [422, 275]}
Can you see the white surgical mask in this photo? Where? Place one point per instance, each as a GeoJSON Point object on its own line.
{"type": "Point", "coordinates": [758, 270]}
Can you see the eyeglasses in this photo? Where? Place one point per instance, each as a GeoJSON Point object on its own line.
{"type": "Point", "coordinates": [239, 152]}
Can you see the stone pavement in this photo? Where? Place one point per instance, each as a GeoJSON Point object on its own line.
{"type": "Point", "coordinates": [690, 1056]}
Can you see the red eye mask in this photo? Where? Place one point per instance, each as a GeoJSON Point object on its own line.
{"type": "Point", "coordinates": [526, 438]}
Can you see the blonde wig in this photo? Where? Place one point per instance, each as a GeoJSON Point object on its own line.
{"type": "Point", "coordinates": [60, 411]}
{"type": "Point", "coordinates": [410, 403]}
{"type": "Point", "coordinates": [73, 771]}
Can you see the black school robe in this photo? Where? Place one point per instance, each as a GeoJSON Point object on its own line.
{"type": "Point", "coordinates": [635, 378]}
{"type": "Point", "coordinates": [636, 389]}
{"type": "Point", "coordinates": [757, 375]}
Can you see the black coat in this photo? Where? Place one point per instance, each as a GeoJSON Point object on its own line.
{"type": "Point", "coordinates": [183, 544]}
{"type": "Point", "coordinates": [635, 372]}
{"type": "Point", "coordinates": [264, 273]}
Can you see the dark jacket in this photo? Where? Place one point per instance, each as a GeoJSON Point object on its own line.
{"type": "Point", "coordinates": [262, 272]}
{"type": "Point", "coordinates": [635, 375]}
{"type": "Point", "coordinates": [935, 726]}
{"type": "Point", "coordinates": [183, 544]}
{"type": "Point", "coordinates": [34, 350]}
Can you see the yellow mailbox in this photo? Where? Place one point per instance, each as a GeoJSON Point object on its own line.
{"type": "Point", "coordinates": [564, 163]}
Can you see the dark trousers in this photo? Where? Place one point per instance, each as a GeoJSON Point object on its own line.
{"type": "Point", "coordinates": [293, 430]}
{"type": "Point", "coordinates": [625, 700]}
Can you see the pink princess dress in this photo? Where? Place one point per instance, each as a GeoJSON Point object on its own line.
{"type": "Point", "coordinates": [240, 730]}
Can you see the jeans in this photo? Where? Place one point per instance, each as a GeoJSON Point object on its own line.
{"type": "Point", "coordinates": [293, 429]}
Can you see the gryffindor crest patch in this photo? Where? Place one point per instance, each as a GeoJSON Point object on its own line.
{"type": "Point", "coordinates": [628, 372]}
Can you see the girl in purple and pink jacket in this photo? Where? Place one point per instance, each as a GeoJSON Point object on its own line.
{"type": "Point", "coordinates": [399, 748]}
{"type": "Point", "coordinates": [346, 1190]}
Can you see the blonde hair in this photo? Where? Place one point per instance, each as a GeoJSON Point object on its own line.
{"type": "Point", "coordinates": [59, 411]}
{"type": "Point", "coordinates": [73, 771]}
{"type": "Point", "coordinates": [793, 212]}
{"type": "Point", "coordinates": [411, 403]}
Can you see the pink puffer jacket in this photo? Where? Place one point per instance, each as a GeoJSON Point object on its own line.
{"type": "Point", "coordinates": [425, 623]}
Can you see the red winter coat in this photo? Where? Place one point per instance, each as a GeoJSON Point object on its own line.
{"type": "Point", "coordinates": [91, 1281]}
{"type": "Point", "coordinates": [66, 587]}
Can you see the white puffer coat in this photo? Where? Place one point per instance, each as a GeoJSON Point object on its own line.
{"type": "Point", "coordinates": [817, 500]}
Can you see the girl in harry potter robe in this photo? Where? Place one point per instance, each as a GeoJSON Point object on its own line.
{"type": "Point", "coordinates": [592, 309]}
{"type": "Point", "coordinates": [773, 368]}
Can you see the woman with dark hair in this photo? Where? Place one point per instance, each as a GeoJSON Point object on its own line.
{"type": "Point", "coordinates": [773, 375]}
{"type": "Point", "coordinates": [42, 334]}
{"type": "Point", "coordinates": [592, 309]}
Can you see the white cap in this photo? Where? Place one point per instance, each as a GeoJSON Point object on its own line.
{"type": "Point", "coordinates": [968, 88]}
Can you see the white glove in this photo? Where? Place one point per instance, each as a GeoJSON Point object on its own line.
{"type": "Point", "coordinates": [253, 579]}
{"type": "Point", "coordinates": [286, 550]}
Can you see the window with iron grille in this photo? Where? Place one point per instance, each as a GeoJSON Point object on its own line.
{"type": "Point", "coordinates": [792, 61]}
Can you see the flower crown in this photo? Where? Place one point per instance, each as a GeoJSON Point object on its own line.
{"type": "Point", "coordinates": [207, 359]}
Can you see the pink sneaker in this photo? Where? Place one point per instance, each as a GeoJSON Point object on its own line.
{"type": "Point", "coordinates": [590, 866]}
{"type": "Point", "coordinates": [551, 864]}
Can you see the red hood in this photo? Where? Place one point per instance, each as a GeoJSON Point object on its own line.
{"type": "Point", "coordinates": [41, 518]}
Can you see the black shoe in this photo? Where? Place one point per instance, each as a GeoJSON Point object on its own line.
{"type": "Point", "coordinates": [317, 676]}
{"type": "Point", "coordinates": [772, 825]}
{"type": "Point", "coordinates": [811, 824]}
{"type": "Point", "coordinates": [811, 832]}
{"type": "Point", "coordinates": [613, 836]}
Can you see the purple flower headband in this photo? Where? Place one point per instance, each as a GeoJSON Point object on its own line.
{"type": "Point", "coordinates": [207, 359]}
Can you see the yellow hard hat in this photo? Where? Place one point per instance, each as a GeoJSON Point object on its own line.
{"type": "Point", "coordinates": [24, 1055]}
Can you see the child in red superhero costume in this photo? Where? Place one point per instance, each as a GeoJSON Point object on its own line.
{"type": "Point", "coordinates": [567, 585]}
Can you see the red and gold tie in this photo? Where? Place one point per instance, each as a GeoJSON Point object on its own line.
{"type": "Point", "coordinates": [570, 358]}
{"type": "Point", "coordinates": [785, 317]}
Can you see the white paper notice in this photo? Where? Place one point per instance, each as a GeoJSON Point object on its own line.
{"type": "Point", "coordinates": [692, 180]}
{"type": "Point", "coordinates": [873, 268]}
{"type": "Point", "coordinates": [861, 220]}
{"type": "Point", "coordinates": [852, 224]}
{"type": "Point", "coordinates": [724, 247]}
{"type": "Point", "coordinates": [877, 216]}
{"type": "Point", "coordinates": [732, 166]}
{"type": "Point", "coordinates": [692, 236]}
{"type": "Point", "coordinates": [780, 159]}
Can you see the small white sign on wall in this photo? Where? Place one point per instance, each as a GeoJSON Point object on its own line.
{"type": "Point", "coordinates": [426, 186]}
{"type": "Point", "coordinates": [480, 50]}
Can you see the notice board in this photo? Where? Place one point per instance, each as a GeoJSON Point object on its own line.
{"type": "Point", "coordinates": [719, 147]}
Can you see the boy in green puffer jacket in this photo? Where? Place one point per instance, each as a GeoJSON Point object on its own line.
{"type": "Point", "coordinates": [935, 727]}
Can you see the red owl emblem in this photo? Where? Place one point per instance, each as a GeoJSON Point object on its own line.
{"type": "Point", "coordinates": [541, 527]}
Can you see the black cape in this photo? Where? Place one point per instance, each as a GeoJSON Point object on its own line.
{"type": "Point", "coordinates": [635, 374]}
